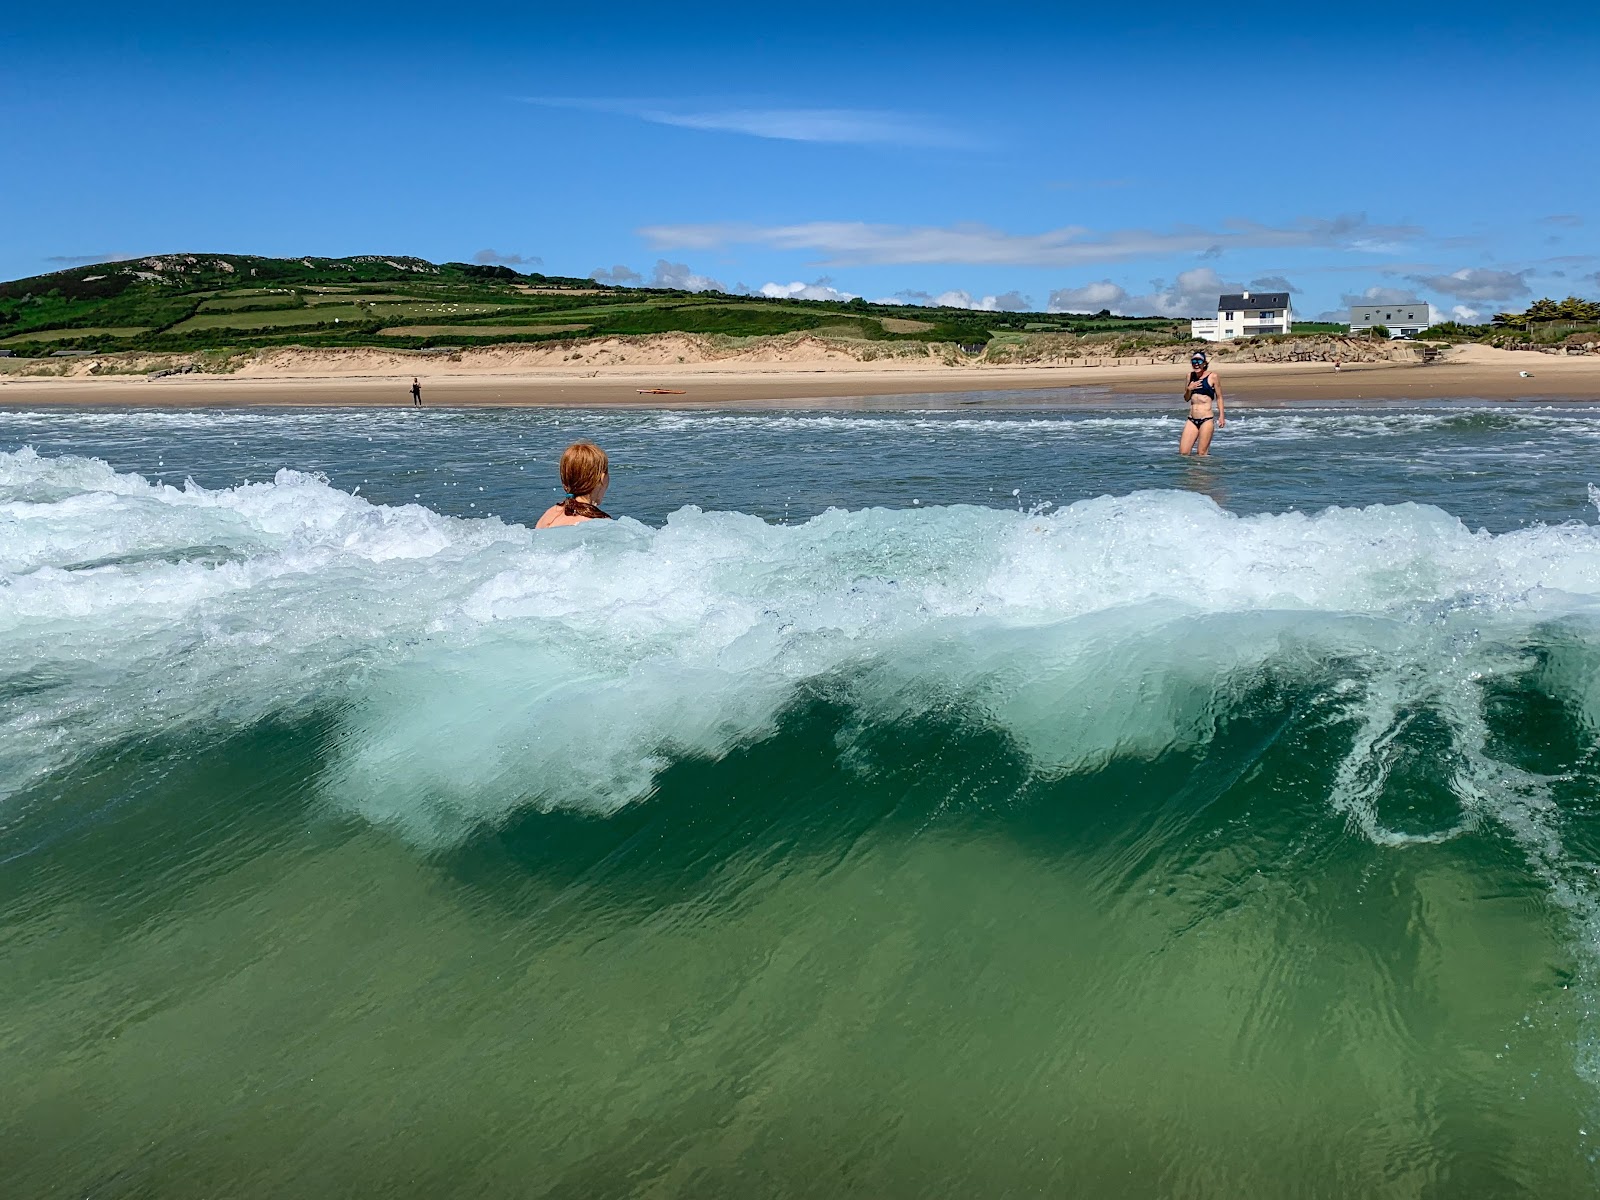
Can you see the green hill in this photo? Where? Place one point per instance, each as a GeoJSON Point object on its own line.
{"type": "Point", "coordinates": [183, 302]}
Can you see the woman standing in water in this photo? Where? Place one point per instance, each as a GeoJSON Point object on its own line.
{"type": "Point", "coordinates": [585, 473]}
{"type": "Point", "coordinates": [1204, 399]}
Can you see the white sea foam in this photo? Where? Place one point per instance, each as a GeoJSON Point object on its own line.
{"type": "Point", "coordinates": [480, 667]}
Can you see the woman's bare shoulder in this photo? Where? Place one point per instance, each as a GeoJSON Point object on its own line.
{"type": "Point", "coordinates": [552, 516]}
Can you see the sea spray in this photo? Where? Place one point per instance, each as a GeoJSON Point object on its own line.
{"type": "Point", "coordinates": [464, 653]}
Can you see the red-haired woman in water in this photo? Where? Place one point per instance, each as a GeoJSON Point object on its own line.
{"type": "Point", "coordinates": [585, 473]}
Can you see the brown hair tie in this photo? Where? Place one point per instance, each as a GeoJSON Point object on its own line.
{"type": "Point", "coordinates": [582, 508]}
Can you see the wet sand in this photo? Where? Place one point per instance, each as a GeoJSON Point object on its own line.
{"type": "Point", "coordinates": [1478, 373]}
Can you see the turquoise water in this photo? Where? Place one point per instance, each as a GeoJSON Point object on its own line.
{"type": "Point", "coordinates": [939, 803]}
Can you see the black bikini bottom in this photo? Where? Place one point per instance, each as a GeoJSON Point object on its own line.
{"type": "Point", "coordinates": [1200, 422]}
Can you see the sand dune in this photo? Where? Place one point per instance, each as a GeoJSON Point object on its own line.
{"type": "Point", "coordinates": [791, 370]}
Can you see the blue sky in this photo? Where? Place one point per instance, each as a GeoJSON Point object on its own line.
{"type": "Point", "coordinates": [1134, 157]}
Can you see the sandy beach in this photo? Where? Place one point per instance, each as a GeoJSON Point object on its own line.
{"type": "Point", "coordinates": [361, 379]}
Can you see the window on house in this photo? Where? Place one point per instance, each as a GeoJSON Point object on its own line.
{"type": "Point", "coordinates": [1230, 316]}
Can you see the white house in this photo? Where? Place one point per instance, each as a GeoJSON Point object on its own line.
{"type": "Point", "coordinates": [1241, 314]}
{"type": "Point", "coordinates": [1399, 319]}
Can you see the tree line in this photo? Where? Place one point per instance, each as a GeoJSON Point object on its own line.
{"type": "Point", "coordinates": [1578, 311]}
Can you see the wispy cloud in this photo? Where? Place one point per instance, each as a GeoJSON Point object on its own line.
{"type": "Point", "coordinates": [840, 126]}
{"type": "Point", "coordinates": [857, 243]}
{"type": "Point", "coordinates": [1564, 220]}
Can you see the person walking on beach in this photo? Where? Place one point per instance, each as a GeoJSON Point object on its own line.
{"type": "Point", "coordinates": [416, 392]}
{"type": "Point", "coordinates": [585, 473]}
{"type": "Point", "coordinates": [1204, 399]}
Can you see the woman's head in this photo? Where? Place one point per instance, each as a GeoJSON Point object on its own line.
{"type": "Point", "coordinates": [1197, 359]}
{"type": "Point", "coordinates": [585, 470]}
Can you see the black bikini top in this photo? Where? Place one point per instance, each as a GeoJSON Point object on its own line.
{"type": "Point", "coordinates": [1205, 387]}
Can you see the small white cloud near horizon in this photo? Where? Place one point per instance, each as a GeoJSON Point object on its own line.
{"type": "Point", "coordinates": [821, 289]}
{"type": "Point", "coordinates": [494, 257]}
{"type": "Point", "coordinates": [837, 126]}
{"type": "Point", "coordinates": [956, 298]}
{"type": "Point", "coordinates": [674, 275]}
{"type": "Point", "coordinates": [859, 243]}
{"type": "Point", "coordinates": [1192, 293]}
{"type": "Point", "coordinates": [1090, 298]}
{"type": "Point", "coordinates": [616, 276]}
{"type": "Point", "coordinates": [679, 276]}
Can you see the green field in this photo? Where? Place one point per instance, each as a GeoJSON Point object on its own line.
{"type": "Point", "coordinates": [414, 309]}
{"type": "Point", "coordinates": [234, 303]}
{"type": "Point", "coordinates": [189, 302]}
{"type": "Point", "coordinates": [349, 295]}
{"type": "Point", "coordinates": [273, 318]}
{"type": "Point", "coordinates": [61, 335]}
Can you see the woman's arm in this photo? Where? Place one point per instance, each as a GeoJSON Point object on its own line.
{"type": "Point", "coordinates": [1222, 417]}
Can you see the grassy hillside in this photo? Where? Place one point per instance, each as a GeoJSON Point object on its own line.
{"type": "Point", "coordinates": [178, 302]}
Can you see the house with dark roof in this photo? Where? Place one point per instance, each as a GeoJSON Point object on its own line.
{"type": "Point", "coordinates": [1401, 320]}
{"type": "Point", "coordinates": [1245, 314]}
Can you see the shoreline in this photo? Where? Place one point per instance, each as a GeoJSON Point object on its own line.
{"type": "Point", "coordinates": [1479, 373]}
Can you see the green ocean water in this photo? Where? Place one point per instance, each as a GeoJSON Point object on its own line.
{"type": "Point", "coordinates": [837, 823]}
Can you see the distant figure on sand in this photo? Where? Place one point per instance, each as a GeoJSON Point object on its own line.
{"type": "Point", "coordinates": [585, 473]}
{"type": "Point", "coordinates": [1204, 399]}
{"type": "Point", "coordinates": [416, 393]}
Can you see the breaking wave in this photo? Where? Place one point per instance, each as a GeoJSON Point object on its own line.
{"type": "Point", "coordinates": [477, 667]}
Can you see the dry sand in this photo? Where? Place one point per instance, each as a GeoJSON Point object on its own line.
{"type": "Point", "coordinates": [512, 376]}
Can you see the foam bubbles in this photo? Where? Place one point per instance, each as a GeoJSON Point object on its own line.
{"type": "Point", "coordinates": [478, 667]}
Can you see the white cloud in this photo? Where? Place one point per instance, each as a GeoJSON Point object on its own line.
{"type": "Point", "coordinates": [666, 275]}
{"type": "Point", "coordinates": [822, 289]}
{"type": "Point", "coordinates": [508, 260]}
{"type": "Point", "coordinates": [1476, 283]}
{"type": "Point", "coordinates": [856, 243]}
{"type": "Point", "coordinates": [679, 276]}
{"type": "Point", "coordinates": [1005, 302]}
{"type": "Point", "coordinates": [1465, 314]}
{"type": "Point", "coordinates": [843, 126]}
{"type": "Point", "coordinates": [1090, 298]}
{"type": "Point", "coordinates": [1192, 294]}
{"type": "Point", "coordinates": [617, 276]}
